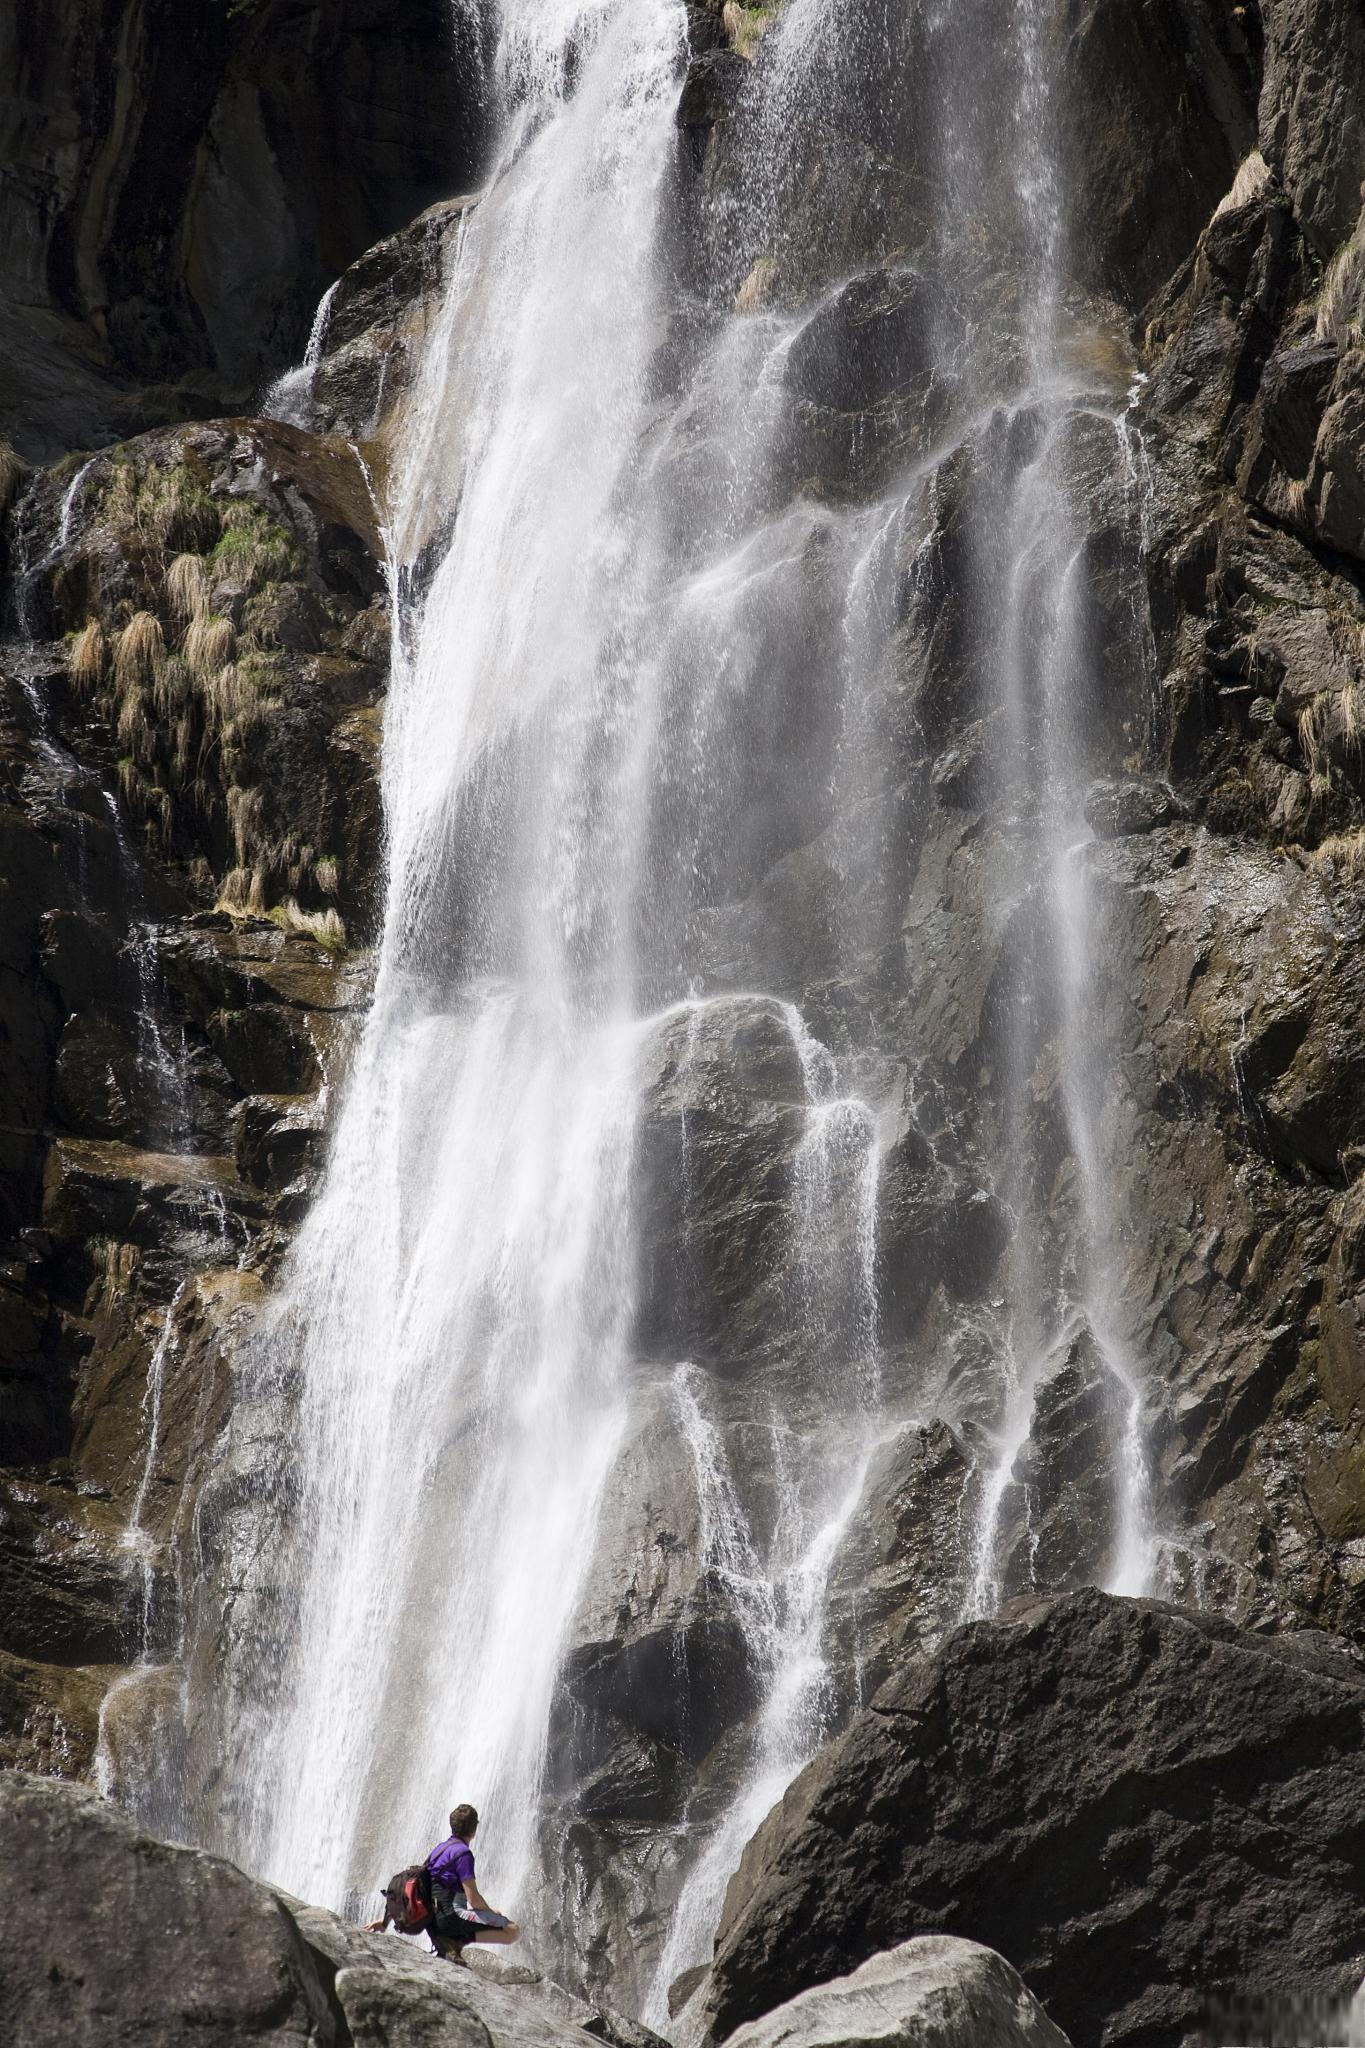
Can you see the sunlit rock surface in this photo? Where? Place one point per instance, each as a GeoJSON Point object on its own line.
{"type": "Point", "coordinates": [161, 1944]}
{"type": "Point", "coordinates": [937, 1991]}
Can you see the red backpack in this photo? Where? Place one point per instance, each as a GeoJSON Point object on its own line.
{"type": "Point", "coordinates": [407, 1897]}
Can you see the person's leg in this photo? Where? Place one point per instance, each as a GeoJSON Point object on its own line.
{"type": "Point", "coordinates": [447, 1947]}
{"type": "Point", "coordinates": [447, 1942]}
{"type": "Point", "coordinates": [504, 1935]}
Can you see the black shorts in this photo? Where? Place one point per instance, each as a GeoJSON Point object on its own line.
{"type": "Point", "coordinates": [453, 1920]}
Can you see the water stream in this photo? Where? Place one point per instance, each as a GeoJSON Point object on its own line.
{"type": "Point", "coordinates": [634, 667]}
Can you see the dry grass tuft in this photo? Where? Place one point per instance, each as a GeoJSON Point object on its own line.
{"type": "Point", "coordinates": [88, 659]}
{"type": "Point", "coordinates": [161, 811]}
{"type": "Point", "coordinates": [171, 687]}
{"type": "Point", "coordinates": [242, 893]}
{"type": "Point", "coordinates": [230, 694]}
{"type": "Point", "coordinates": [208, 647]}
{"type": "Point", "coordinates": [1253, 175]}
{"type": "Point", "coordinates": [326, 876]}
{"type": "Point", "coordinates": [292, 861]}
{"type": "Point", "coordinates": [134, 727]}
{"type": "Point", "coordinates": [13, 470]}
{"type": "Point", "coordinates": [182, 745]}
{"type": "Point", "coordinates": [252, 551]}
{"type": "Point", "coordinates": [1339, 314]}
{"type": "Point", "coordinates": [1311, 740]}
{"type": "Point", "coordinates": [323, 926]}
{"type": "Point", "coordinates": [244, 807]}
{"type": "Point", "coordinates": [1343, 853]}
{"type": "Point", "coordinates": [139, 651]}
{"type": "Point", "coordinates": [745, 26]}
{"type": "Point", "coordinates": [187, 588]}
{"type": "Point", "coordinates": [175, 511]}
{"type": "Point", "coordinates": [239, 515]}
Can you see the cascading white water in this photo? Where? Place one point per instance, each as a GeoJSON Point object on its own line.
{"type": "Point", "coordinates": [290, 397]}
{"type": "Point", "coordinates": [779, 1588]}
{"type": "Point", "coordinates": [455, 1327]}
{"type": "Point", "coordinates": [462, 1296]}
{"type": "Point", "coordinates": [592, 590]}
{"type": "Point", "coordinates": [1043, 656]}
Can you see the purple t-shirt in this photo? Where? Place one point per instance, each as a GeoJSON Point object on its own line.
{"type": "Point", "coordinates": [452, 1862]}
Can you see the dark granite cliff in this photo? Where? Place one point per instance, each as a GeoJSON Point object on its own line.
{"type": "Point", "coordinates": [184, 180]}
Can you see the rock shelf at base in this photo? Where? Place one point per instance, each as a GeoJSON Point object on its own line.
{"type": "Point", "coordinates": [111, 1934]}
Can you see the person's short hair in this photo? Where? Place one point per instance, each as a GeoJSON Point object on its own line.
{"type": "Point", "coordinates": [463, 1821]}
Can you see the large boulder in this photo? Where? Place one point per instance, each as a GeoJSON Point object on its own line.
{"type": "Point", "coordinates": [1140, 1808]}
{"type": "Point", "coordinates": [935, 1992]}
{"type": "Point", "coordinates": [113, 1934]}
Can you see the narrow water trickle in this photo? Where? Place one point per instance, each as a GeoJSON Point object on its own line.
{"type": "Point", "coordinates": [780, 1586]}
{"type": "Point", "coordinates": [1064, 1274]}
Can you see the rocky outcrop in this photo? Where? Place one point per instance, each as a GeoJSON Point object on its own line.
{"type": "Point", "coordinates": [369, 347]}
{"type": "Point", "coordinates": [149, 1938]}
{"type": "Point", "coordinates": [161, 1940]}
{"type": "Point", "coordinates": [192, 825]}
{"type": "Point", "coordinates": [161, 1943]}
{"type": "Point", "coordinates": [187, 181]}
{"type": "Point", "coordinates": [937, 1991]}
{"type": "Point", "coordinates": [1141, 1809]}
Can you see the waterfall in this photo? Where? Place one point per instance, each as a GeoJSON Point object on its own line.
{"type": "Point", "coordinates": [779, 1588]}
{"type": "Point", "coordinates": [635, 665]}
{"type": "Point", "coordinates": [290, 397]}
{"type": "Point", "coordinates": [457, 1317]}
{"type": "Point", "coordinates": [1041, 645]}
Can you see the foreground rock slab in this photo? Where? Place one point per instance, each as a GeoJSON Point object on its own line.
{"type": "Point", "coordinates": [1142, 1809]}
{"type": "Point", "coordinates": [113, 1935]}
{"type": "Point", "coordinates": [935, 1992]}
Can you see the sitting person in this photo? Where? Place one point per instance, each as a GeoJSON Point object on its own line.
{"type": "Point", "coordinates": [461, 1913]}
{"type": "Point", "coordinates": [441, 1899]}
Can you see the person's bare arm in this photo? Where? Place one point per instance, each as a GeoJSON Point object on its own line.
{"type": "Point", "coordinates": [378, 1926]}
{"type": "Point", "coordinates": [475, 1897]}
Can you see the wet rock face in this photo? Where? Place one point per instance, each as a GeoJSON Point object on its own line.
{"type": "Point", "coordinates": [376, 319]}
{"type": "Point", "coordinates": [1063, 1502]}
{"type": "Point", "coordinates": [201, 729]}
{"type": "Point", "coordinates": [1218, 718]}
{"type": "Point", "coordinates": [902, 1577]}
{"type": "Point", "coordinates": [1119, 1767]}
{"type": "Point", "coordinates": [188, 182]}
{"type": "Point", "coordinates": [715, 1168]}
